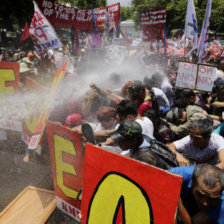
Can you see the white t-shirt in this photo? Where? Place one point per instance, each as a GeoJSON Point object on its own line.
{"type": "Point", "coordinates": [206, 155]}
{"type": "Point", "coordinates": [161, 97]}
{"type": "Point", "coordinates": [147, 125]}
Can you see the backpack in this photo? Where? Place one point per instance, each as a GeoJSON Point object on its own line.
{"type": "Point", "coordinates": [166, 158]}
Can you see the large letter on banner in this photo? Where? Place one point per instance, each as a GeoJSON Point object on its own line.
{"type": "Point", "coordinates": [38, 125]}
{"type": "Point", "coordinates": [9, 78]}
{"type": "Point", "coordinates": [67, 162]}
{"type": "Point", "coordinates": [117, 189]}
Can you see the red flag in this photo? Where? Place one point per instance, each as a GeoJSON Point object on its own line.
{"type": "Point", "coordinates": [26, 33]}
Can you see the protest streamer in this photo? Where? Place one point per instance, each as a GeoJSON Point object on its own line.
{"type": "Point", "coordinates": [25, 34]}
{"type": "Point", "coordinates": [34, 125]}
{"type": "Point", "coordinates": [58, 15]}
{"type": "Point", "coordinates": [134, 196]}
{"type": "Point", "coordinates": [191, 27]}
{"type": "Point", "coordinates": [203, 42]}
{"type": "Point", "coordinates": [42, 33]}
{"type": "Point", "coordinates": [67, 163]}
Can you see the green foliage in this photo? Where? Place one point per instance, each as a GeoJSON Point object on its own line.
{"type": "Point", "coordinates": [126, 13]}
{"type": "Point", "coordinates": [176, 12]}
{"type": "Point", "coordinates": [14, 13]}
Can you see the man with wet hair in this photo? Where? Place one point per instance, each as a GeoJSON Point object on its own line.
{"type": "Point", "coordinates": [180, 119]}
{"type": "Point", "coordinates": [201, 145]}
{"type": "Point", "coordinates": [127, 109]}
{"type": "Point", "coordinates": [202, 195]}
{"type": "Point", "coordinates": [184, 97]}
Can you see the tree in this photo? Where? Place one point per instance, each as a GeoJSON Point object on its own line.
{"type": "Point", "coordinates": [126, 13]}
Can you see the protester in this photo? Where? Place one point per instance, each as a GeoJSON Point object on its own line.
{"type": "Point", "coordinates": [200, 146]}
{"type": "Point", "coordinates": [202, 195]}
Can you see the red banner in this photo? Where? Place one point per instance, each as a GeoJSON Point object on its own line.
{"type": "Point", "coordinates": [117, 189]}
{"type": "Point", "coordinates": [67, 162]}
{"type": "Point", "coordinates": [63, 16]}
{"type": "Point", "coordinates": [9, 78]}
{"type": "Point", "coordinates": [84, 18]}
{"type": "Point", "coordinates": [151, 33]}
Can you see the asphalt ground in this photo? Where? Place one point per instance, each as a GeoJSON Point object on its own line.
{"type": "Point", "coordinates": [15, 175]}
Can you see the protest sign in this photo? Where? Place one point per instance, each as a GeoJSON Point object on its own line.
{"type": "Point", "coordinates": [57, 14]}
{"type": "Point", "coordinates": [42, 33]}
{"type": "Point", "coordinates": [84, 18]}
{"type": "Point", "coordinates": [117, 189]}
{"type": "Point", "coordinates": [186, 76]}
{"type": "Point", "coordinates": [67, 162]}
{"type": "Point", "coordinates": [195, 76]}
{"type": "Point", "coordinates": [34, 125]}
{"type": "Point", "coordinates": [9, 78]}
{"type": "Point", "coordinates": [206, 76]}
{"type": "Point", "coordinates": [65, 17]}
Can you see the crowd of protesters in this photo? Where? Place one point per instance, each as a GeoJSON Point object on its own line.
{"type": "Point", "coordinates": [150, 120]}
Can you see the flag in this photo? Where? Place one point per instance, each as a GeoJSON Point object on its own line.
{"type": "Point", "coordinates": [203, 42]}
{"type": "Point", "coordinates": [26, 33]}
{"type": "Point", "coordinates": [42, 33]}
{"type": "Point", "coordinates": [191, 26]}
{"type": "Point", "coordinates": [154, 17]}
{"type": "Point", "coordinates": [94, 22]}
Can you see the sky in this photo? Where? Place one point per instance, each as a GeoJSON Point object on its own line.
{"type": "Point", "coordinates": [122, 2]}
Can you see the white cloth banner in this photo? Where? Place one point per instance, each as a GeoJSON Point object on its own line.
{"type": "Point", "coordinates": [191, 26]}
{"type": "Point", "coordinates": [203, 42]}
{"type": "Point", "coordinates": [42, 33]}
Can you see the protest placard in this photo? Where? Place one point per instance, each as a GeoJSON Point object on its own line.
{"type": "Point", "coordinates": [67, 162]}
{"type": "Point", "coordinates": [186, 76]}
{"type": "Point", "coordinates": [206, 76]}
{"type": "Point", "coordinates": [9, 78]}
{"type": "Point", "coordinates": [195, 76]}
{"type": "Point", "coordinates": [117, 189]}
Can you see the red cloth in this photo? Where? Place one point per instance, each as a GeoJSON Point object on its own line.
{"type": "Point", "coordinates": [144, 107]}
{"type": "Point", "coordinates": [26, 33]}
{"type": "Point", "coordinates": [73, 120]}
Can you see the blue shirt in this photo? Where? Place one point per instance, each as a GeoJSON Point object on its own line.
{"type": "Point", "coordinates": [216, 213]}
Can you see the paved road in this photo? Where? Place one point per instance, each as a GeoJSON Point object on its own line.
{"type": "Point", "coordinates": [15, 175]}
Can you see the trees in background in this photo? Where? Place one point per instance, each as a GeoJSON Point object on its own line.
{"type": "Point", "coordinates": [14, 13]}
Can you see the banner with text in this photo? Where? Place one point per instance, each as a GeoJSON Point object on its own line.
{"type": "Point", "coordinates": [117, 189]}
{"type": "Point", "coordinates": [63, 16]}
{"type": "Point", "coordinates": [67, 163]}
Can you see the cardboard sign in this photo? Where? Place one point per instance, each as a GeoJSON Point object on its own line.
{"type": "Point", "coordinates": [9, 78]}
{"type": "Point", "coordinates": [63, 16]}
{"type": "Point", "coordinates": [117, 189]}
{"type": "Point", "coordinates": [206, 76]}
{"type": "Point", "coordinates": [186, 76]}
{"type": "Point", "coordinates": [67, 162]}
{"type": "Point", "coordinates": [195, 76]}
{"type": "Point", "coordinates": [36, 124]}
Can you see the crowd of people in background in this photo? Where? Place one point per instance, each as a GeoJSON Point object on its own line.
{"type": "Point", "coordinates": [148, 119]}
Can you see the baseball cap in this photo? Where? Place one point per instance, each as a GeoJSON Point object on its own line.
{"type": "Point", "coordinates": [127, 130]}
{"type": "Point", "coordinates": [73, 120]}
